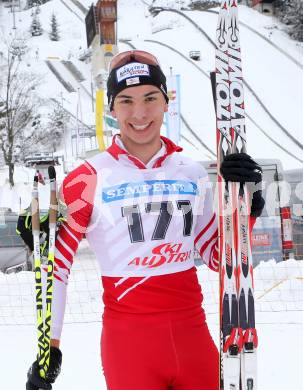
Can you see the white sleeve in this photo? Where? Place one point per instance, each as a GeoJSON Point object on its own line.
{"type": "Point", "coordinates": [58, 303]}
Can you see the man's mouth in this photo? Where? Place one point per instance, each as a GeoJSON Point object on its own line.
{"type": "Point", "coordinates": [142, 127]}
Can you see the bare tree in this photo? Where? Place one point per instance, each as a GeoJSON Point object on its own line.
{"type": "Point", "coordinates": [18, 104]}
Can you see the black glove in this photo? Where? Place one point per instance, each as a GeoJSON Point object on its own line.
{"type": "Point", "coordinates": [240, 167]}
{"type": "Point", "coordinates": [35, 382]}
{"type": "Point", "coordinates": [257, 204]}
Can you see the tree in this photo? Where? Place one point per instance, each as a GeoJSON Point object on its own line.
{"type": "Point", "coordinates": [201, 5]}
{"type": "Point", "coordinates": [57, 123]}
{"type": "Point", "coordinates": [18, 103]}
{"type": "Point", "coordinates": [36, 28]}
{"type": "Point", "coordinates": [54, 34]}
{"type": "Point", "coordinates": [30, 3]}
{"type": "Point", "coordinates": [296, 30]}
{"type": "Point", "coordinates": [35, 3]}
{"type": "Point", "coordinates": [290, 12]}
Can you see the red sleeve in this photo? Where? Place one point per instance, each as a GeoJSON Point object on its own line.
{"type": "Point", "coordinates": [77, 195]}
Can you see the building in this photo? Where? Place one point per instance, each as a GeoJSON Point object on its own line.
{"type": "Point", "coordinates": [264, 6]}
{"type": "Point", "coordinates": [101, 33]}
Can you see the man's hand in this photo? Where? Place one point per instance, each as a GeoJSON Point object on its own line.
{"type": "Point", "coordinates": [34, 380]}
{"type": "Point", "coordinates": [241, 168]}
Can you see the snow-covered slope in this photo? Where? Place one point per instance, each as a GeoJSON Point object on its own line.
{"type": "Point", "coordinates": [272, 76]}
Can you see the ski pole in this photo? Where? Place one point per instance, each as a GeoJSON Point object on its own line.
{"type": "Point", "coordinates": [44, 327]}
{"type": "Point", "coordinates": [38, 275]}
{"type": "Point", "coordinates": [50, 264]}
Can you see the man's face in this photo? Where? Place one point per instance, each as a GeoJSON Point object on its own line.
{"type": "Point", "coordinates": [139, 111]}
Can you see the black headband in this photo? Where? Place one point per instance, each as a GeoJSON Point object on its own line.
{"type": "Point", "coordinates": [132, 75]}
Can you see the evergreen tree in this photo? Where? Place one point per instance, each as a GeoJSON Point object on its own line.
{"type": "Point", "coordinates": [296, 29]}
{"type": "Point", "coordinates": [54, 34]}
{"type": "Point", "coordinates": [30, 3]}
{"type": "Point", "coordinates": [36, 28]}
{"type": "Point", "coordinates": [290, 12]}
{"type": "Point", "coordinates": [201, 5]}
{"type": "Point", "coordinates": [35, 3]}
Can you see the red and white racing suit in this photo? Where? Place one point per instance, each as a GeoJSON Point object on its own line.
{"type": "Point", "coordinates": [143, 223]}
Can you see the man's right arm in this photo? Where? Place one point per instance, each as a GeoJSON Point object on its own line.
{"type": "Point", "coordinates": [77, 195]}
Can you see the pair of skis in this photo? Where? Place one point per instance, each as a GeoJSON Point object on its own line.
{"type": "Point", "coordinates": [44, 312]}
{"type": "Point", "coordinates": [238, 336]}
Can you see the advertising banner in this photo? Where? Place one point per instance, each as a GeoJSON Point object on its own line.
{"type": "Point", "coordinates": [173, 116]}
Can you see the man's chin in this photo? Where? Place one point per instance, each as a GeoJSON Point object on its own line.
{"type": "Point", "coordinates": [142, 141]}
{"type": "Point", "coordinates": [143, 138]}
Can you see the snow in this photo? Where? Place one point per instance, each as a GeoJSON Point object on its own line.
{"type": "Point", "coordinates": [279, 321]}
{"type": "Point", "coordinates": [272, 75]}
{"type": "Point", "coordinates": [279, 286]}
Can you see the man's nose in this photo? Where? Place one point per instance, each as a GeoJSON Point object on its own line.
{"type": "Point", "coordinates": [139, 111]}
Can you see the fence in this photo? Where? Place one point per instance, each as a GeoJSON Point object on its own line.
{"type": "Point", "coordinates": [278, 292]}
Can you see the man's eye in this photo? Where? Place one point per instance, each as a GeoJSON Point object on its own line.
{"type": "Point", "coordinates": [151, 98]}
{"type": "Point", "coordinates": [126, 101]}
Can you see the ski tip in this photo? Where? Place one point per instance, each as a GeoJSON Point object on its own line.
{"type": "Point", "coordinates": [51, 173]}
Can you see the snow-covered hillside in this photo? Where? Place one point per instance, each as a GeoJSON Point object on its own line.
{"type": "Point", "coordinates": [271, 75]}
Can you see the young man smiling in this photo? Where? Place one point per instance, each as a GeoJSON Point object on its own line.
{"type": "Point", "coordinates": [144, 208]}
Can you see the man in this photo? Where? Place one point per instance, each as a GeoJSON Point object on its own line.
{"type": "Point", "coordinates": [143, 207]}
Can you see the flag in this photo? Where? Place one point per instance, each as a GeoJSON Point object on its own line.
{"type": "Point", "coordinates": [173, 116]}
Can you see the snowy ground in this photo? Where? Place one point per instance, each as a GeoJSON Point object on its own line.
{"type": "Point", "coordinates": [279, 357]}
{"type": "Point", "coordinates": [279, 304]}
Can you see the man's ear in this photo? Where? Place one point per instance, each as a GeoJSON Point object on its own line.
{"type": "Point", "coordinates": [166, 107]}
{"type": "Point", "coordinates": [113, 114]}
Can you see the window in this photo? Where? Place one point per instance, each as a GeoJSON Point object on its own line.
{"type": "Point", "coordinates": [8, 235]}
{"type": "Point", "coordinates": [108, 12]}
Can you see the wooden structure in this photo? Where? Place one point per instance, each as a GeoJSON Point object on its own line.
{"type": "Point", "coordinates": [106, 13]}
